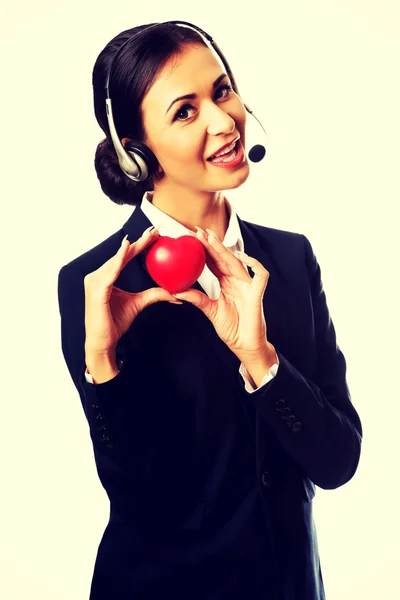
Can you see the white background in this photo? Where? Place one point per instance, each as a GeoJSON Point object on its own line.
{"type": "Point", "coordinates": [323, 76]}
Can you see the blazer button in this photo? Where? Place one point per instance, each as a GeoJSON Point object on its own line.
{"type": "Point", "coordinates": [297, 427]}
{"type": "Point", "coordinates": [285, 412]}
{"type": "Point", "coordinates": [290, 420]}
{"type": "Point", "coordinates": [280, 404]}
{"type": "Point", "coordinates": [266, 480]}
{"type": "Point", "coordinates": [95, 406]}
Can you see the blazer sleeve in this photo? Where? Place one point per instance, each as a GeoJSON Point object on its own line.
{"type": "Point", "coordinates": [315, 421]}
{"type": "Point", "coordinates": [117, 410]}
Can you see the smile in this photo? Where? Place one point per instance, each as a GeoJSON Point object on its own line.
{"type": "Point", "coordinates": [230, 157]}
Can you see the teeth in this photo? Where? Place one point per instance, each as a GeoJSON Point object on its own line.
{"type": "Point", "coordinates": [225, 150]}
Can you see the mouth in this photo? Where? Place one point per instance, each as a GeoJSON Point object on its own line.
{"type": "Point", "coordinates": [232, 157]}
{"type": "Point", "coordinates": [224, 150]}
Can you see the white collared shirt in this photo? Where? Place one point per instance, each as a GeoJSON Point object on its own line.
{"type": "Point", "coordinates": [233, 240]}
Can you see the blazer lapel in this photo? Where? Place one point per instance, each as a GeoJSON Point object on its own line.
{"type": "Point", "coordinates": [274, 300]}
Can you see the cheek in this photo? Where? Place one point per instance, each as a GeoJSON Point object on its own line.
{"type": "Point", "coordinates": [240, 116]}
{"type": "Point", "coordinates": [187, 148]}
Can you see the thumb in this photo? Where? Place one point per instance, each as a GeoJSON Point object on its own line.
{"type": "Point", "coordinates": [153, 295]}
{"type": "Point", "coordinates": [196, 298]}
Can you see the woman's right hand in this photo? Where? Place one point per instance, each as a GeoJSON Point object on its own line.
{"type": "Point", "coordinates": [110, 311]}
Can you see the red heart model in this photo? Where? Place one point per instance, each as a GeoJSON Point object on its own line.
{"type": "Point", "coordinates": [176, 263]}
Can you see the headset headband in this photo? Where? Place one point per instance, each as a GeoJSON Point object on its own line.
{"type": "Point", "coordinates": [203, 33]}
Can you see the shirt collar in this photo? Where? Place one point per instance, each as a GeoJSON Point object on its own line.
{"type": "Point", "coordinates": [172, 228]}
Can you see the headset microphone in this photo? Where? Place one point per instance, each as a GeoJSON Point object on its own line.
{"type": "Point", "coordinates": [256, 152]}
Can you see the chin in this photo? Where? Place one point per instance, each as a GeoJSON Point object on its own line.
{"type": "Point", "coordinates": [230, 181]}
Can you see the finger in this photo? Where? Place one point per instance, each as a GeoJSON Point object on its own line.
{"type": "Point", "coordinates": [224, 259]}
{"type": "Point", "coordinates": [209, 260]}
{"type": "Point", "coordinates": [138, 301]}
{"type": "Point", "coordinates": [202, 301]}
{"type": "Point", "coordinates": [107, 274]}
{"type": "Point", "coordinates": [151, 296]}
{"type": "Point", "coordinates": [261, 275]}
{"type": "Point", "coordinates": [149, 236]}
{"type": "Point", "coordinates": [212, 265]}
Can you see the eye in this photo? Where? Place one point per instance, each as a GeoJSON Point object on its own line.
{"type": "Point", "coordinates": [225, 88]}
{"type": "Point", "coordinates": [183, 109]}
{"type": "Point", "coordinates": [187, 107]}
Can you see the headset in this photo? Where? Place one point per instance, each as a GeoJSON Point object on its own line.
{"type": "Point", "coordinates": [136, 159]}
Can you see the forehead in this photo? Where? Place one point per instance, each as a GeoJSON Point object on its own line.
{"type": "Point", "coordinates": [191, 71]}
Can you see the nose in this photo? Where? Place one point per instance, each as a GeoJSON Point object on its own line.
{"type": "Point", "coordinates": [219, 122]}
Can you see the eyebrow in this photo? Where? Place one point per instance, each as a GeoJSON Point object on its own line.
{"type": "Point", "coordinates": [193, 96]}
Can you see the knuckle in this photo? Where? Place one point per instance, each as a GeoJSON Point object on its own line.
{"type": "Point", "coordinates": [136, 247]}
{"type": "Point", "coordinates": [91, 285]}
{"type": "Point", "coordinates": [87, 280]}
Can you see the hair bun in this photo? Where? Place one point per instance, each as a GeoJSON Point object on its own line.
{"type": "Point", "coordinates": [106, 143]}
{"type": "Point", "coordinates": [113, 181]}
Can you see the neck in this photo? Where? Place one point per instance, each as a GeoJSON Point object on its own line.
{"type": "Point", "coordinates": [193, 207]}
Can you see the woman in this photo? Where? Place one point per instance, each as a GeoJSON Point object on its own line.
{"type": "Point", "coordinates": [211, 422]}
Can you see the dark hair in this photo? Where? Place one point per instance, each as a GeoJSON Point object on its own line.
{"type": "Point", "coordinates": [133, 72]}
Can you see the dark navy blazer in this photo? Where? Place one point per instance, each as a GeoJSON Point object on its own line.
{"type": "Point", "coordinates": [210, 487]}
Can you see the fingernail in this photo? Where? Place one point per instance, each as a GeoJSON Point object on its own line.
{"type": "Point", "coordinates": [122, 243]}
{"type": "Point", "coordinates": [150, 230]}
{"type": "Point", "coordinates": [175, 302]}
{"type": "Point", "coordinates": [211, 233]}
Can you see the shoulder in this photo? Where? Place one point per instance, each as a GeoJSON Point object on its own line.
{"type": "Point", "coordinates": [290, 252]}
{"type": "Point", "coordinates": [276, 241]}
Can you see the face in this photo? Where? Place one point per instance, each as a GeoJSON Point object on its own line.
{"type": "Point", "coordinates": [184, 133]}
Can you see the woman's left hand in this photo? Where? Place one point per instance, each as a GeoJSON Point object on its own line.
{"type": "Point", "coordinates": [237, 315]}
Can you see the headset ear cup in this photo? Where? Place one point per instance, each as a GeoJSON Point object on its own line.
{"type": "Point", "coordinates": [137, 149]}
